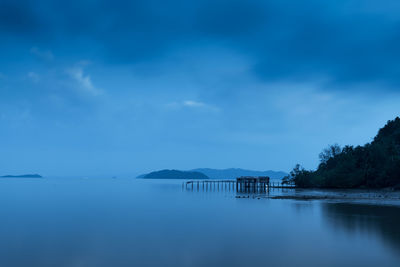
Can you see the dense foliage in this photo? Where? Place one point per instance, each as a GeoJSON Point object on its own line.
{"type": "Point", "coordinates": [374, 165]}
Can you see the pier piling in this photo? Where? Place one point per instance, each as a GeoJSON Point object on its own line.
{"type": "Point", "coordinates": [245, 184]}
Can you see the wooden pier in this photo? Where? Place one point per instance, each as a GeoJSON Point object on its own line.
{"type": "Point", "coordinates": [241, 185]}
{"type": "Point", "coordinates": [211, 185]}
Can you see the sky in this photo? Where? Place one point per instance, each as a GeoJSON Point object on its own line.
{"type": "Point", "coordinates": [125, 87]}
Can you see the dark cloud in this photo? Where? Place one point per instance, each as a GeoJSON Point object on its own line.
{"type": "Point", "coordinates": [125, 77]}
{"type": "Point", "coordinates": [346, 41]}
{"type": "Point", "coordinates": [16, 17]}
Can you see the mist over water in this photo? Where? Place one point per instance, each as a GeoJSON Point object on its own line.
{"type": "Point", "coordinates": [128, 222]}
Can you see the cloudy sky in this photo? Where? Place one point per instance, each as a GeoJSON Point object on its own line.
{"type": "Point", "coordinates": [124, 87]}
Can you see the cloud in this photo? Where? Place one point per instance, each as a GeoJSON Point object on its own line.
{"type": "Point", "coordinates": [45, 55]}
{"type": "Point", "coordinates": [193, 104]}
{"type": "Point", "coordinates": [17, 17]}
{"type": "Point", "coordinates": [33, 76]}
{"type": "Point", "coordinates": [350, 43]}
{"type": "Point", "coordinates": [84, 81]}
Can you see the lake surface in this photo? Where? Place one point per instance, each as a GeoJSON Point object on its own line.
{"type": "Point", "coordinates": [128, 222]}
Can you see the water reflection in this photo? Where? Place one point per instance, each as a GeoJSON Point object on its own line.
{"type": "Point", "coordinates": [383, 221]}
{"type": "Point", "coordinates": [117, 222]}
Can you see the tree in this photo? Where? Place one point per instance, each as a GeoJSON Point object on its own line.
{"type": "Point", "coordinates": [329, 152]}
{"type": "Point", "coordinates": [374, 165]}
{"type": "Point", "coordinates": [286, 180]}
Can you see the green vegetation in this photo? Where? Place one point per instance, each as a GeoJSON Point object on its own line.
{"type": "Point", "coordinates": [374, 165]}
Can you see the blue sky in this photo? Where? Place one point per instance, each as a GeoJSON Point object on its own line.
{"type": "Point", "coordinates": [124, 87]}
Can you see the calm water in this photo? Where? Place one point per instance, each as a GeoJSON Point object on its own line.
{"type": "Point", "coordinates": [126, 222]}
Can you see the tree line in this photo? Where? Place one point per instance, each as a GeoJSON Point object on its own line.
{"type": "Point", "coordinates": [374, 165]}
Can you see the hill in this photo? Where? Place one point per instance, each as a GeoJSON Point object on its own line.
{"type": "Point", "coordinates": [22, 176]}
{"type": "Point", "coordinates": [374, 165]}
{"type": "Point", "coordinates": [174, 174]}
{"type": "Point", "coordinates": [233, 173]}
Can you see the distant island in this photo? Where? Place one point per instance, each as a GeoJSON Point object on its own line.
{"type": "Point", "coordinates": [208, 173]}
{"type": "Point", "coordinates": [233, 173]}
{"type": "Point", "coordinates": [374, 165]}
{"type": "Point", "coordinates": [22, 176]}
{"type": "Point", "coordinates": [174, 174]}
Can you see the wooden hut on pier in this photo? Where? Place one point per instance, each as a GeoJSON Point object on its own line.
{"type": "Point", "coordinates": [249, 183]}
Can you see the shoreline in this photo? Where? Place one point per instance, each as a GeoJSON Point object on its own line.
{"type": "Point", "coordinates": [361, 196]}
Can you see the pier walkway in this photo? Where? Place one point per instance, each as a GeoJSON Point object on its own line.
{"type": "Point", "coordinates": [241, 184]}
